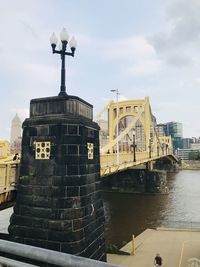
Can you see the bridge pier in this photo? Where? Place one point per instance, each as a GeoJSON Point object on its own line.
{"type": "Point", "coordinates": [136, 181]}
{"type": "Point", "coordinates": [166, 164]}
{"type": "Point", "coordinates": [59, 204]}
{"type": "Point", "coordinates": [149, 165]}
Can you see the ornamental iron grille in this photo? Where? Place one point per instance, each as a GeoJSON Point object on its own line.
{"type": "Point", "coordinates": [42, 150]}
{"type": "Point", "coordinates": [90, 147]}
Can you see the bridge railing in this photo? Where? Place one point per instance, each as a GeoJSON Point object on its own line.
{"type": "Point", "coordinates": [108, 160]}
{"type": "Point", "coordinates": [43, 256]}
{"type": "Point", "coordinates": [8, 176]}
{"type": "Point", "coordinates": [111, 159]}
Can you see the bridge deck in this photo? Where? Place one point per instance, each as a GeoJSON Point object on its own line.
{"type": "Point", "coordinates": [109, 163]}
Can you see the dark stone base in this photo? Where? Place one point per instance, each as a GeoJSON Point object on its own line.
{"type": "Point", "coordinates": [136, 181]}
{"type": "Point", "coordinates": [166, 164]}
{"type": "Point", "coordinates": [59, 204]}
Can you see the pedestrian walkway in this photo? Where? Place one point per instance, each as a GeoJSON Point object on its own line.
{"type": "Point", "coordinates": [175, 246]}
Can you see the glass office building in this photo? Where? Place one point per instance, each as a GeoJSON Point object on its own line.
{"type": "Point", "coordinates": [175, 129]}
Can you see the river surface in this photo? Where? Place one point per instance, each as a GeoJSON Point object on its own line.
{"type": "Point", "coordinates": [128, 214]}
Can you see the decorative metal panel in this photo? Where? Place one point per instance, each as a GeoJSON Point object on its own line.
{"type": "Point", "coordinates": [42, 150]}
{"type": "Point", "coordinates": [90, 147]}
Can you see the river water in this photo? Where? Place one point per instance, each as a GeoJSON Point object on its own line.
{"type": "Point", "coordinates": [128, 214]}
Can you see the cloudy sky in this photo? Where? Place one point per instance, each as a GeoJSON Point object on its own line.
{"type": "Point", "coordinates": [143, 48]}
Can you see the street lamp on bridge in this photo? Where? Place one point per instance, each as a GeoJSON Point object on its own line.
{"type": "Point", "coordinates": [117, 130]}
{"type": "Point", "coordinates": [134, 145]}
{"type": "Point", "coordinates": [64, 37]}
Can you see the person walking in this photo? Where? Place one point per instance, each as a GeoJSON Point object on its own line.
{"type": "Point", "coordinates": [158, 260]}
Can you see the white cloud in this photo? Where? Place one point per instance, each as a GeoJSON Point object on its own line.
{"type": "Point", "coordinates": [122, 98]}
{"type": "Point", "coordinates": [136, 56]}
{"type": "Point", "coordinates": [145, 67]}
{"type": "Point", "coordinates": [107, 57]}
{"type": "Point", "coordinates": [178, 44]}
{"type": "Point", "coordinates": [197, 81]}
{"type": "Point", "coordinates": [42, 72]}
{"type": "Point", "coordinates": [179, 60]}
{"type": "Point", "coordinates": [128, 48]}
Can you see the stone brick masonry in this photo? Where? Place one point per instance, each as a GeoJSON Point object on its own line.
{"type": "Point", "coordinates": [59, 204]}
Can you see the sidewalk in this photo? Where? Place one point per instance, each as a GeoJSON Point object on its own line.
{"type": "Point", "coordinates": [174, 245]}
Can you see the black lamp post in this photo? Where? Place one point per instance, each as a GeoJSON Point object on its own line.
{"type": "Point", "coordinates": [149, 148]}
{"type": "Point", "coordinates": [134, 147]}
{"type": "Point", "coordinates": [158, 149]}
{"type": "Point", "coordinates": [166, 148]}
{"type": "Point", "coordinates": [64, 36]}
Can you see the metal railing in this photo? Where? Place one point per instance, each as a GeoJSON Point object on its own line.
{"type": "Point", "coordinates": [9, 173]}
{"type": "Point", "coordinates": [109, 164]}
{"type": "Point", "coordinates": [44, 256]}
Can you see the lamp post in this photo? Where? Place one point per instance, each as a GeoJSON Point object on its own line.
{"type": "Point", "coordinates": [158, 149]}
{"type": "Point", "coordinates": [163, 149]}
{"type": "Point", "coordinates": [117, 134]}
{"type": "Point", "coordinates": [134, 146]}
{"type": "Point", "coordinates": [64, 36]}
{"type": "Point", "coordinates": [166, 148]}
{"type": "Point", "coordinates": [149, 148]}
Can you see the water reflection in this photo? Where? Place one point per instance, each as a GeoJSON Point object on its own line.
{"type": "Point", "coordinates": [128, 214]}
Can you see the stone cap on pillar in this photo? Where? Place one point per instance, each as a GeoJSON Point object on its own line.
{"type": "Point", "coordinates": [61, 105]}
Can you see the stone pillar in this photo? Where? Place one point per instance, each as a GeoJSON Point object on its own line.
{"type": "Point", "coordinates": [59, 204]}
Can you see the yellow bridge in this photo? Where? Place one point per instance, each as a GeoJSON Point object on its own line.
{"type": "Point", "coordinates": [9, 173]}
{"type": "Point", "coordinates": [132, 137]}
{"type": "Point", "coordinates": [128, 138]}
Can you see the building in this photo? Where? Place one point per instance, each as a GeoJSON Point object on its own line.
{"type": "Point", "coordinates": [160, 129]}
{"type": "Point", "coordinates": [186, 142]}
{"type": "Point", "coordinates": [175, 129]}
{"type": "Point", "coordinates": [184, 154]}
{"type": "Point", "coordinates": [195, 146]}
{"type": "Point", "coordinates": [15, 137]}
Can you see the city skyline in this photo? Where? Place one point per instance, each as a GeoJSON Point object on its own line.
{"type": "Point", "coordinates": [143, 49]}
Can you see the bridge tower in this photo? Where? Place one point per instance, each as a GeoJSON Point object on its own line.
{"type": "Point", "coordinates": [133, 115]}
{"type": "Point", "coordinates": [59, 204]}
{"type": "Point", "coordinates": [138, 139]}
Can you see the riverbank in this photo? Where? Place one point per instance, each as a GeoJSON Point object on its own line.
{"type": "Point", "coordinates": [175, 246]}
{"type": "Point", "coordinates": [190, 165]}
{"type": "Point", "coordinates": [128, 214]}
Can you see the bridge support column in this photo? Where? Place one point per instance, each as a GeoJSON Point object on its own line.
{"type": "Point", "coordinates": [59, 204]}
{"type": "Point", "coordinates": [149, 165]}
{"type": "Point", "coordinates": [137, 181]}
{"type": "Point", "coordinates": [156, 182]}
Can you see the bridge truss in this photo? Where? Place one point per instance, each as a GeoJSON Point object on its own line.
{"type": "Point", "coordinates": [138, 140]}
